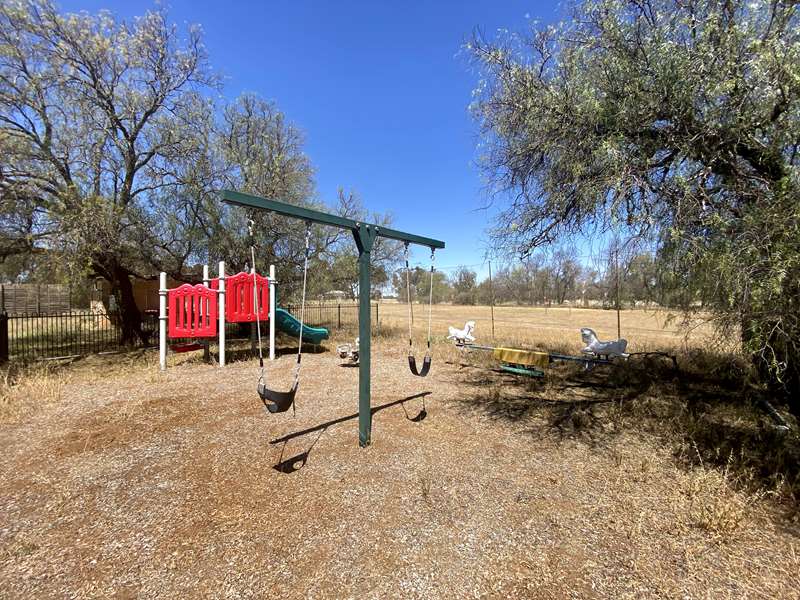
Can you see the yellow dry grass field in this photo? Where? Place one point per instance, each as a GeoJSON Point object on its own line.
{"type": "Point", "coordinates": [120, 481]}
{"type": "Point", "coordinates": [542, 327]}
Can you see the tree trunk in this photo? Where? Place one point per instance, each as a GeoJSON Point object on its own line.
{"type": "Point", "coordinates": [130, 317]}
{"type": "Point", "coordinates": [126, 316]}
{"type": "Point", "coordinates": [786, 384]}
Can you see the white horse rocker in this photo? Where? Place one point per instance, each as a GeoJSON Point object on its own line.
{"type": "Point", "coordinates": [462, 336]}
{"type": "Point", "coordinates": [594, 347]}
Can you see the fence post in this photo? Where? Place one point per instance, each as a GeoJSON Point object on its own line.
{"type": "Point", "coordinates": [3, 337]}
{"type": "Point", "coordinates": [339, 315]}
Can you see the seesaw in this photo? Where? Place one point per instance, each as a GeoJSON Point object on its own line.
{"type": "Point", "coordinates": [531, 363]}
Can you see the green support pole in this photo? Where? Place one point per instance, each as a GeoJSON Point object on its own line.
{"type": "Point", "coordinates": [365, 238]}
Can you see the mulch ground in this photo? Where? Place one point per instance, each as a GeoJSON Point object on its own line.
{"type": "Point", "coordinates": [179, 485]}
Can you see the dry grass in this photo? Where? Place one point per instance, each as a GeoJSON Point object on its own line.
{"type": "Point", "coordinates": [120, 481]}
{"type": "Point", "coordinates": [557, 327]}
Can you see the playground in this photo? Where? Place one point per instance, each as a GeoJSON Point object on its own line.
{"type": "Point", "coordinates": [131, 482]}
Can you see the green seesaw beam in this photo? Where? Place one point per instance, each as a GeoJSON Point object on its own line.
{"type": "Point", "coordinates": [364, 235]}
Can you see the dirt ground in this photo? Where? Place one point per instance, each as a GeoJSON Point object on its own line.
{"type": "Point", "coordinates": [142, 484]}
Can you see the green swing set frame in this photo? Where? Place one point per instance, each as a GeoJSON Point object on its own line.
{"type": "Point", "coordinates": [365, 235]}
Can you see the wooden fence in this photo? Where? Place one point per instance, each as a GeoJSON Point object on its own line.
{"type": "Point", "coordinates": [34, 298]}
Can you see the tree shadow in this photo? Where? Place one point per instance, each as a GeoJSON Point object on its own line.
{"type": "Point", "coordinates": [298, 461]}
{"type": "Point", "coordinates": [706, 410]}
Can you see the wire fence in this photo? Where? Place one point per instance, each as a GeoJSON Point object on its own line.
{"type": "Point", "coordinates": [28, 337]}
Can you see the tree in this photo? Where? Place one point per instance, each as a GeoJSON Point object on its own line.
{"type": "Point", "coordinates": [676, 122]}
{"type": "Point", "coordinates": [421, 286]}
{"type": "Point", "coordinates": [100, 122]}
{"type": "Point", "coordinates": [113, 152]}
{"type": "Point", "coordinates": [343, 271]}
{"type": "Point", "coordinates": [464, 285]}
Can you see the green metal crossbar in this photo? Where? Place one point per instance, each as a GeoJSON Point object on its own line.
{"type": "Point", "coordinates": [364, 235]}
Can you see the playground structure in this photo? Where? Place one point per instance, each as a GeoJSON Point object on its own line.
{"type": "Point", "coordinates": [364, 235]}
{"type": "Point", "coordinates": [198, 313]}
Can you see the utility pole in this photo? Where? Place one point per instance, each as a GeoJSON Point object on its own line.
{"type": "Point", "coordinates": [616, 269]}
{"type": "Point", "coordinates": [491, 298]}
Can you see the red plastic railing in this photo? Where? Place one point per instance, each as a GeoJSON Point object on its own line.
{"type": "Point", "coordinates": [192, 312]}
{"type": "Point", "coordinates": [239, 304]}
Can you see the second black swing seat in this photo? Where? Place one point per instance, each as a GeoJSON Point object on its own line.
{"type": "Point", "coordinates": [412, 361]}
{"type": "Point", "coordinates": [426, 365]}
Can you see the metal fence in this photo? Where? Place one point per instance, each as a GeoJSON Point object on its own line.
{"type": "Point", "coordinates": [27, 337]}
{"type": "Point", "coordinates": [334, 316]}
{"type": "Point", "coordinates": [52, 335]}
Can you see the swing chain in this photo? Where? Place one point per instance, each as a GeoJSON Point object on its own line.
{"type": "Point", "coordinates": [302, 306]}
{"type": "Point", "coordinates": [410, 307]}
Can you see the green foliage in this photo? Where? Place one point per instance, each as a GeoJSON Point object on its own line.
{"type": "Point", "coordinates": [676, 122]}
{"type": "Point", "coordinates": [465, 289]}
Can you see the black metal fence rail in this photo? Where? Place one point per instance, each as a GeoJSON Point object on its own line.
{"type": "Point", "coordinates": [27, 337]}
{"type": "Point", "coordinates": [36, 336]}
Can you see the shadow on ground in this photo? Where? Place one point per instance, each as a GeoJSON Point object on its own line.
{"type": "Point", "coordinates": [705, 409]}
{"type": "Point", "coordinates": [298, 461]}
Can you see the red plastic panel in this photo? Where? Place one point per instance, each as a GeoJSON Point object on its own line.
{"type": "Point", "coordinates": [192, 312]}
{"type": "Point", "coordinates": [239, 302]}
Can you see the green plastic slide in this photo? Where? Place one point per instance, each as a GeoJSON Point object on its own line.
{"type": "Point", "coordinates": [287, 323]}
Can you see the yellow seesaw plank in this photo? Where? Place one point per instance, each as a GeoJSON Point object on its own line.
{"type": "Point", "coordinates": [530, 358]}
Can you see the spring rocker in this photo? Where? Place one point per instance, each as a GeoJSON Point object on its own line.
{"type": "Point", "coordinates": [532, 363]}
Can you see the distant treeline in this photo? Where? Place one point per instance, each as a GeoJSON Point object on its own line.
{"type": "Point", "coordinates": [556, 279]}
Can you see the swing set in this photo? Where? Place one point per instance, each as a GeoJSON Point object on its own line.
{"type": "Point", "coordinates": [364, 235]}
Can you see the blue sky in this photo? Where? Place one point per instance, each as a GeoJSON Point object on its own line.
{"type": "Point", "coordinates": [381, 90]}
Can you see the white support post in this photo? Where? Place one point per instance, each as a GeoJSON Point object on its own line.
{"type": "Point", "coordinates": [162, 321]}
{"type": "Point", "coordinates": [272, 303]}
{"type": "Point", "coordinates": [221, 313]}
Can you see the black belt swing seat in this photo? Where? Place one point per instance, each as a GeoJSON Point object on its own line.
{"type": "Point", "coordinates": [273, 400]}
{"type": "Point", "coordinates": [412, 361]}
